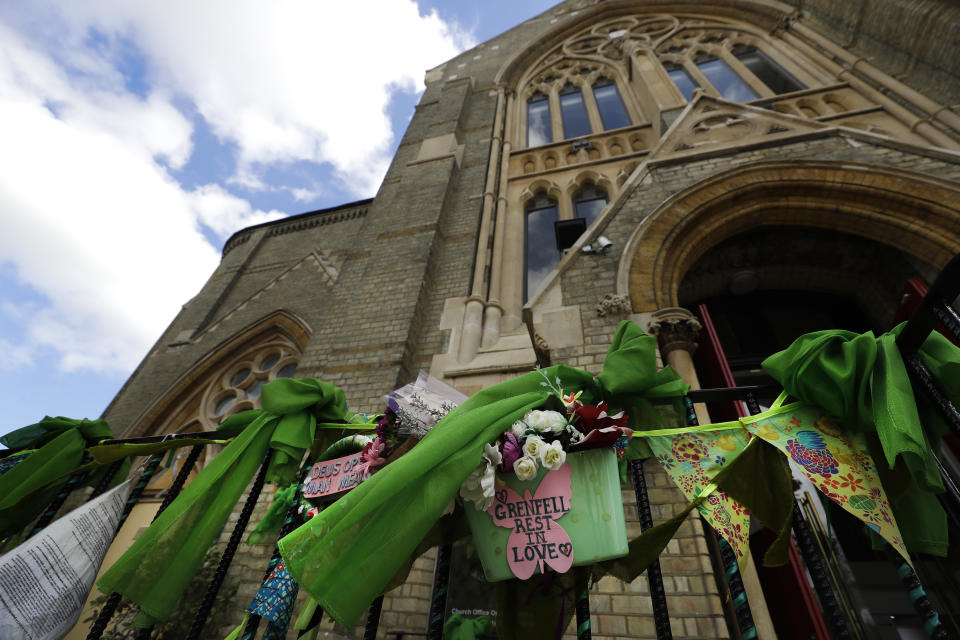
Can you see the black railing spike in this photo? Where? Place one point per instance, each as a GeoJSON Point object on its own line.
{"type": "Point", "coordinates": [314, 621]}
{"type": "Point", "coordinates": [728, 558]}
{"type": "Point", "coordinates": [816, 567]}
{"type": "Point", "coordinates": [920, 602]}
{"type": "Point", "coordinates": [948, 318]}
{"type": "Point", "coordinates": [438, 597]}
{"type": "Point", "coordinates": [196, 627]}
{"type": "Point", "coordinates": [919, 373]}
{"type": "Point", "coordinates": [105, 481]}
{"type": "Point", "coordinates": [291, 520]}
{"type": "Point", "coordinates": [373, 619]}
{"type": "Point", "coordinates": [113, 600]}
{"type": "Point", "coordinates": [582, 588]}
{"type": "Point", "coordinates": [54, 506]}
{"type": "Point", "coordinates": [658, 595]}
{"type": "Point", "coordinates": [171, 494]}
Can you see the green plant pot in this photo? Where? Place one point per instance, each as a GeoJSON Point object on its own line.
{"type": "Point", "coordinates": [594, 523]}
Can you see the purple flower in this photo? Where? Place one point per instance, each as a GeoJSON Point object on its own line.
{"type": "Point", "coordinates": [511, 450]}
{"type": "Point", "coordinates": [383, 424]}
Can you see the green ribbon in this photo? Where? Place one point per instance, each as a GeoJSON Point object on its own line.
{"type": "Point", "coordinates": [347, 555]}
{"type": "Point", "coordinates": [459, 628]}
{"type": "Point", "coordinates": [28, 488]}
{"type": "Point", "coordinates": [862, 380]}
{"type": "Point", "coordinates": [156, 569]}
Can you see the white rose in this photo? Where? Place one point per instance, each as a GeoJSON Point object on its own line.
{"type": "Point", "coordinates": [533, 446]}
{"type": "Point", "coordinates": [546, 421]}
{"type": "Point", "coordinates": [553, 456]}
{"type": "Point", "coordinates": [525, 468]}
{"type": "Point", "coordinates": [519, 428]}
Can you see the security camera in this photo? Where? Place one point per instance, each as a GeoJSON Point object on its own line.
{"type": "Point", "coordinates": [602, 244]}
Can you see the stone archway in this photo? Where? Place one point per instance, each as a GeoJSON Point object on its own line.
{"type": "Point", "coordinates": [916, 214]}
{"type": "Point", "coordinates": [180, 404]}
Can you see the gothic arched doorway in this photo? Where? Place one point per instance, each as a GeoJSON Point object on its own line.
{"type": "Point", "coordinates": [754, 293]}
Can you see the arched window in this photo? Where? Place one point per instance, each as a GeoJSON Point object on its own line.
{"type": "Point", "coordinates": [589, 202]}
{"type": "Point", "coordinates": [240, 383]}
{"type": "Point", "coordinates": [610, 105]}
{"type": "Point", "coordinates": [574, 112]}
{"type": "Point", "coordinates": [539, 130]}
{"type": "Point", "coordinates": [681, 78]}
{"type": "Point", "coordinates": [767, 71]}
{"type": "Point", "coordinates": [540, 252]}
{"type": "Point", "coordinates": [721, 64]}
{"type": "Point", "coordinates": [724, 79]}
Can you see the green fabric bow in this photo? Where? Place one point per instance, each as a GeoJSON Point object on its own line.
{"type": "Point", "coordinates": [155, 570]}
{"type": "Point", "coordinates": [28, 488]}
{"type": "Point", "coordinates": [862, 380]}
{"type": "Point", "coordinates": [347, 555]}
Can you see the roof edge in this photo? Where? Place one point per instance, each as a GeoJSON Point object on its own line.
{"type": "Point", "coordinates": [241, 236]}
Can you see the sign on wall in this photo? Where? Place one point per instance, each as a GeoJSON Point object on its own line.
{"type": "Point", "coordinates": [331, 477]}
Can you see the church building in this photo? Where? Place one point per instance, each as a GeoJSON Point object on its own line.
{"type": "Point", "coordinates": [727, 174]}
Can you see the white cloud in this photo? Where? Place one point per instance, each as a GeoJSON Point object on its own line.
{"type": "Point", "coordinates": [14, 357]}
{"type": "Point", "coordinates": [224, 212]}
{"type": "Point", "coordinates": [92, 219]}
{"type": "Point", "coordinates": [89, 219]}
{"type": "Point", "coordinates": [304, 195]}
{"type": "Point", "coordinates": [289, 80]}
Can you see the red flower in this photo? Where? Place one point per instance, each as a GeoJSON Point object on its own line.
{"type": "Point", "coordinates": [588, 417]}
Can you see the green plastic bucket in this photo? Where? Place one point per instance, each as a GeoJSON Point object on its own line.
{"type": "Point", "coordinates": [594, 523]}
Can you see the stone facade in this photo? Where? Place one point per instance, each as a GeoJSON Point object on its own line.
{"type": "Point", "coordinates": [428, 275]}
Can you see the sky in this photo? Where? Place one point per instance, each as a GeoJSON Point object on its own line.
{"type": "Point", "coordinates": [136, 137]}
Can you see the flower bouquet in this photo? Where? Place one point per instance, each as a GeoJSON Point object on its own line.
{"type": "Point", "coordinates": [411, 411]}
{"type": "Point", "coordinates": [547, 492]}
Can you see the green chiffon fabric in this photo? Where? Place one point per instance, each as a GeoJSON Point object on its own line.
{"type": "Point", "coordinates": [862, 379]}
{"type": "Point", "coordinates": [458, 627]}
{"type": "Point", "coordinates": [28, 488]}
{"type": "Point", "coordinates": [156, 569]}
{"type": "Point", "coordinates": [346, 556]}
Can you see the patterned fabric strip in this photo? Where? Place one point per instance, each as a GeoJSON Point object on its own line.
{"type": "Point", "coordinates": [836, 461]}
{"type": "Point", "coordinates": [692, 459]}
{"type": "Point", "coordinates": [275, 598]}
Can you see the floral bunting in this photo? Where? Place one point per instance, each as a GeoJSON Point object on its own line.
{"type": "Point", "coordinates": [692, 460]}
{"type": "Point", "coordinates": [835, 460]}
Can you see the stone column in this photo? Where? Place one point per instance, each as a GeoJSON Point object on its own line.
{"type": "Point", "coordinates": [678, 331]}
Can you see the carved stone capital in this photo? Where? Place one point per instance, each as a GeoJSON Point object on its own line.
{"type": "Point", "coordinates": [675, 328]}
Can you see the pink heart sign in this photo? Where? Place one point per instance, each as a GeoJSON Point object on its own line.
{"type": "Point", "coordinates": [536, 537]}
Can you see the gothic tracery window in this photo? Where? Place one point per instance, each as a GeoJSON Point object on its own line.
{"type": "Point", "coordinates": [766, 70]}
{"type": "Point", "coordinates": [590, 108]}
{"type": "Point", "coordinates": [574, 112]}
{"type": "Point", "coordinates": [613, 113]}
{"type": "Point", "coordinates": [571, 100]}
{"type": "Point", "coordinates": [239, 385]}
{"type": "Point", "coordinates": [539, 128]}
{"type": "Point", "coordinates": [591, 82]}
{"type": "Point", "coordinates": [723, 63]}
